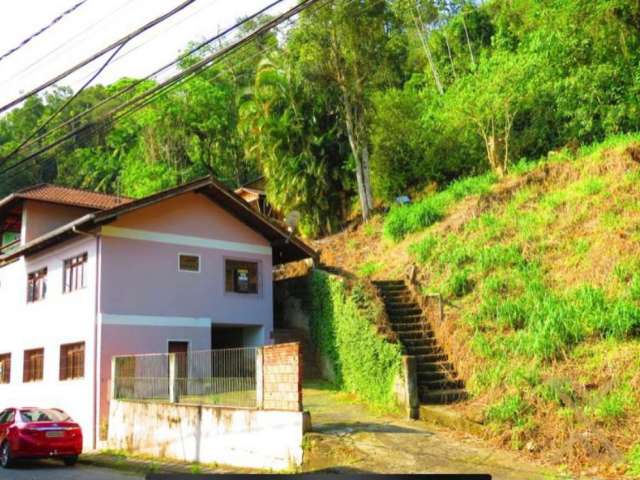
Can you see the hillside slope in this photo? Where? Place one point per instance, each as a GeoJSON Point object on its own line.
{"type": "Point", "coordinates": [541, 274]}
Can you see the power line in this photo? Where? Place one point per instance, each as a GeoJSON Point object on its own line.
{"type": "Point", "coordinates": [42, 30]}
{"type": "Point", "coordinates": [153, 74]}
{"type": "Point", "coordinates": [64, 44]}
{"type": "Point", "coordinates": [99, 54]}
{"type": "Point", "coordinates": [140, 100]}
{"type": "Point", "coordinates": [65, 104]}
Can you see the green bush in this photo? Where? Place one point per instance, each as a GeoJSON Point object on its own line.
{"type": "Point", "coordinates": [342, 327]}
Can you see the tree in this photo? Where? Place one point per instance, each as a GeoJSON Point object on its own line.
{"type": "Point", "coordinates": [294, 139]}
{"type": "Point", "coordinates": [348, 46]}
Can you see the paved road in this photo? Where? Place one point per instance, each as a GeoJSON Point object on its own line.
{"type": "Point", "coordinates": [51, 470]}
{"type": "Point", "coordinates": [348, 438]}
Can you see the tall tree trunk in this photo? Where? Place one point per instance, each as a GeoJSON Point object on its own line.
{"type": "Point", "coordinates": [466, 33]}
{"type": "Point", "coordinates": [361, 177]}
{"type": "Point", "coordinates": [424, 39]}
{"type": "Point", "coordinates": [366, 173]}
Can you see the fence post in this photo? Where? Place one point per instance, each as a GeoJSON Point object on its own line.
{"type": "Point", "coordinates": [259, 378]}
{"type": "Point", "coordinates": [174, 391]}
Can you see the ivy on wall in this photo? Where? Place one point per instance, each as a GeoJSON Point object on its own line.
{"type": "Point", "coordinates": [364, 362]}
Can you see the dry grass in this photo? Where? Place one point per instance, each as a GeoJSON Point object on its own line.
{"type": "Point", "coordinates": [580, 220]}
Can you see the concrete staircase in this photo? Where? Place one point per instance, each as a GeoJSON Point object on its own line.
{"type": "Point", "coordinates": [438, 382]}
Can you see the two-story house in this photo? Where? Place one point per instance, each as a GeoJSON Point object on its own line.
{"type": "Point", "coordinates": [86, 276]}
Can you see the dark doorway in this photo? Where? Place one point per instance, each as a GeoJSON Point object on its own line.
{"type": "Point", "coordinates": [227, 337]}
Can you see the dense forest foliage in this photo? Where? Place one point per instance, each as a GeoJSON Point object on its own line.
{"type": "Point", "coordinates": [361, 101]}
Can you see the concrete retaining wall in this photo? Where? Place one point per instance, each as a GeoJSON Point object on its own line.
{"type": "Point", "coordinates": [264, 439]}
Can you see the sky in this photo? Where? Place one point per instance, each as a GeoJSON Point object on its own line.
{"type": "Point", "coordinates": [96, 24]}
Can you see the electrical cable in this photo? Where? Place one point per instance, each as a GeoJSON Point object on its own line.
{"type": "Point", "coordinates": [42, 30]}
{"type": "Point", "coordinates": [97, 55]}
{"type": "Point", "coordinates": [149, 96]}
{"type": "Point", "coordinates": [153, 74]}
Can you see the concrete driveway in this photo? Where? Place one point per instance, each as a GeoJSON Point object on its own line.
{"type": "Point", "coordinates": [51, 470]}
{"type": "Point", "coordinates": [349, 438]}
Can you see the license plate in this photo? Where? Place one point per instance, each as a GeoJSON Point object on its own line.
{"type": "Point", "coordinates": [56, 434]}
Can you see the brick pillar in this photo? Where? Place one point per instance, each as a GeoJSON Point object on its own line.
{"type": "Point", "coordinates": [282, 377]}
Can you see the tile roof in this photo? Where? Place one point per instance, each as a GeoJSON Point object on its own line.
{"type": "Point", "coordinates": [71, 196]}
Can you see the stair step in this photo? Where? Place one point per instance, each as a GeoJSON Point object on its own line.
{"type": "Point", "coordinates": [433, 376]}
{"type": "Point", "coordinates": [442, 384]}
{"type": "Point", "coordinates": [393, 306]}
{"type": "Point", "coordinates": [416, 337]}
{"type": "Point", "coordinates": [397, 293]}
{"type": "Point", "coordinates": [432, 358]}
{"type": "Point", "coordinates": [388, 282]}
{"type": "Point", "coordinates": [440, 366]}
{"type": "Point", "coordinates": [439, 397]}
{"type": "Point", "coordinates": [406, 326]}
{"type": "Point", "coordinates": [402, 318]}
{"type": "Point", "coordinates": [392, 288]}
{"type": "Point", "coordinates": [430, 349]}
{"type": "Point", "coordinates": [410, 310]}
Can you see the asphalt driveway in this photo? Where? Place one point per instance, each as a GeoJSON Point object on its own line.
{"type": "Point", "coordinates": [52, 470]}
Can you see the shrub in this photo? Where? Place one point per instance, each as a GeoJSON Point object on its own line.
{"type": "Point", "coordinates": [363, 361]}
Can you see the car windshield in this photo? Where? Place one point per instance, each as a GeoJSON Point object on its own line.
{"type": "Point", "coordinates": [43, 415]}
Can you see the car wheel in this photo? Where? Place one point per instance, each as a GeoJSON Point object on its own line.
{"type": "Point", "coordinates": [70, 461]}
{"type": "Point", "coordinates": [6, 459]}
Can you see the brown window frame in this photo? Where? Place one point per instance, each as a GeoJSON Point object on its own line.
{"type": "Point", "coordinates": [33, 372]}
{"type": "Point", "coordinates": [188, 270]}
{"type": "Point", "coordinates": [5, 371]}
{"type": "Point", "coordinates": [72, 357]}
{"type": "Point", "coordinates": [37, 285]}
{"type": "Point", "coordinates": [73, 273]}
{"type": "Point", "coordinates": [231, 285]}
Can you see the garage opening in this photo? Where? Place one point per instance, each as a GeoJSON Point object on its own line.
{"type": "Point", "coordinates": [236, 337]}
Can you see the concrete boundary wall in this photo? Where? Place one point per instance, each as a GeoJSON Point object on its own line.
{"type": "Point", "coordinates": [250, 438]}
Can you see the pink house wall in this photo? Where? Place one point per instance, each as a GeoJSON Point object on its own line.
{"type": "Point", "coordinates": [145, 300]}
{"type": "Point", "coordinates": [39, 218]}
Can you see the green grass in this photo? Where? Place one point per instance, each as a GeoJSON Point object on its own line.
{"type": "Point", "coordinates": [368, 269]}
{"type": "Point", "coordinates": [512, 409]}
{"type": "Point", "coordinates": [612, 406]}
{"type": "Point", "coordinates": [633, 457]}
{"type": "Point", "coordinates": [406, 219]}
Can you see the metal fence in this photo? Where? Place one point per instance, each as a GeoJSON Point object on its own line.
{"type": "Point", "coordinates": [215, 377]}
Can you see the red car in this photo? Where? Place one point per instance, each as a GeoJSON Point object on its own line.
{"type": "Point", "coordinates": [31, 433]}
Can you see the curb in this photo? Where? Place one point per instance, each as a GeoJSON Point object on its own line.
{"type": "Point", "coordinates": [446, 418]}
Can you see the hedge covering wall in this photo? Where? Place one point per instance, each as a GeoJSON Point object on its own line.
{"type": "Point", "coordinates": [343, 327]}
